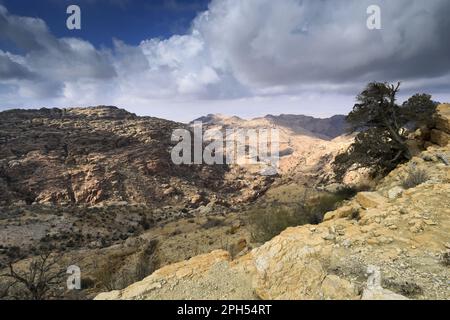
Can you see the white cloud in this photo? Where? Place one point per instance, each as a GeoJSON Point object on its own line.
{"type": "Point", "coordinates": [239, 52]}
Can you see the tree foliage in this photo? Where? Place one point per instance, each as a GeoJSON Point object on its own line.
{"type": "Point", "coordinates": [382, 142]}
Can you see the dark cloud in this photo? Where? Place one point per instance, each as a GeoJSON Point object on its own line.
{"type": "Point", "coordinates": [12, 70]}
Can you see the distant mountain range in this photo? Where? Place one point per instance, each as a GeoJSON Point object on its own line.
{"type": "Point", "coordinates": [326, 129]}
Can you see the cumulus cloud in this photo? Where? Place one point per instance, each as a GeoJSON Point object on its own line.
{"type": "Point", "coordinates": [238, 50]}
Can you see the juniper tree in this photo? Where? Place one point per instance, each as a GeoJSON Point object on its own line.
{"type": "Point", "coordinates": [380, 123]}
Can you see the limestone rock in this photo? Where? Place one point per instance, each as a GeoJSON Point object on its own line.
{"type": "Point", "coordinates": [374, 290]}
{"type": "Point", "coordinates": [395, 192]}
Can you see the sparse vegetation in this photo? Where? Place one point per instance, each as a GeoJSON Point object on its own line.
{"type": "Point", "coordinates": [122, 269]}
{"type": "Point", "coordinates": [270, 221]}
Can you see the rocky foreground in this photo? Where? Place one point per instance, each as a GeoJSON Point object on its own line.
{"type": "Point", "coordinates": [392, 243]}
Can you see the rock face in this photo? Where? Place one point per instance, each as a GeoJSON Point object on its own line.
{"type": "Point", "coordinates": [441, 134]}
{"type": "Point", "coordinates": [87, 156]}
{"type": "Point", "coordinates": [374, 247]}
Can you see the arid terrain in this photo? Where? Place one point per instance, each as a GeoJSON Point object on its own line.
{"type": "Point", "coordinates": [392, 243]}
{"type": "Point", "coordinates": [97, 186]}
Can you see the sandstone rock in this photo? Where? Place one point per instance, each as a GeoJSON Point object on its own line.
{"type": "Point", "coordinates": [443, 118]}
{"type": "Point", "coordinates": [370, 199]}
{"type": "Point", "coordinates": [197, 277]}
{"type": "Point", "coordinates": [323, 261]}
{"type": "Point", "coordinates": [88, 156]}
{"type": "Point", "coordinates": [342, 212]}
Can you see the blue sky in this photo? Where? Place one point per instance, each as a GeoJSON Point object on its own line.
{"type": "Point", "coordinates": [129, 20]}
{"type": "Point", "coordinates": [180, 59]}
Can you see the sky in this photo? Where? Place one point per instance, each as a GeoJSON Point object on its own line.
{"type": "Point", "coordinates": [180, 59]}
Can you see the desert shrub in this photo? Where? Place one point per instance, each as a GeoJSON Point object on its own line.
{"type": "Point", "coordinates": [106, 273]}
{"type": "Point", "coordinates": [406, 288]}
{"type": "Point", "coordinates": [445, 259]}
{"type": "Point", "coordinates": [348, 192]}
{"type": "Point", "coordinates": [87, 283]}
{"type": "Point", "coordinates": [414, 178]}
{"type": "Point", "coordinates": [270, 221]}
{"type": "Point", "coordinates": [146, 223]}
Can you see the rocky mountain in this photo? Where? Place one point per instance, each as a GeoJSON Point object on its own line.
{"type": "Point", "coordinates": [308, 145]}
{"type": "Point", "coordinates": [391, 243]}
{"type": "Point", "coordinates": [88, 156]}
{"type": "Point", "coordinates": [328, 128]}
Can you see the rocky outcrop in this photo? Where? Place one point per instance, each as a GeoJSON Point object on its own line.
{"type": "Point", "coordinates": [440, 135]}
{"type": "Point", "coordinates": [375, 247]}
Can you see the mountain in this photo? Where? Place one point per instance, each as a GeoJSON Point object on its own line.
{"type": "Point", "coordinates": [327, 129]}
{"type": "Point", "coordinates": [308, 145]}
{"type": "Point", "coordinates": [87, 156]}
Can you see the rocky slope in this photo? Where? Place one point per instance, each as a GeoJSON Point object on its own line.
{"type": "Point", "coordinates": [392, 243]}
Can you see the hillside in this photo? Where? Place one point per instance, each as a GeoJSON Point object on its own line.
{"type": "Point", "coordinates": [392, 243]}
{"type": "Point", "coordinates": [89, 156]}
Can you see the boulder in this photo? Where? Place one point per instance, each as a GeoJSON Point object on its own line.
{"type": "Point", "coordinates": [369, 200]}
{"type": "Point", "coordinates": [342, 212]}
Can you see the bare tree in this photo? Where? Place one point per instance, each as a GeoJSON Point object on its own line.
{"type": "Point", "coordinates": [40, 281]}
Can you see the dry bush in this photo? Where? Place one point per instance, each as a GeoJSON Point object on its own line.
{"type": "Point", "coordinates": [41, 280]}
{"type": "Point", "coordinates": [414, 178]}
